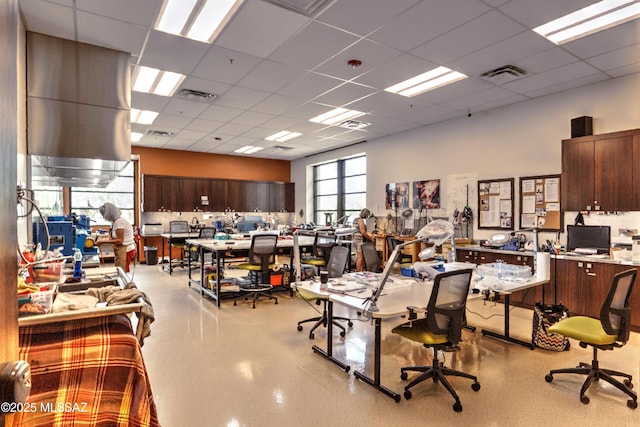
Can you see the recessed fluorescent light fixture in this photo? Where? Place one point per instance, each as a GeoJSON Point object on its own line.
{"type": "Point", "coordinates": [424, 82]}
{"type": "Point", "coordinates": [200, 20]}
{"type": "Point", "coordinates": [336, 116]}
{"type": "Point", "coordinates": [283, 136]}
{"type": "Point", "coordinates": [143, 117]}
{"type": "Point", "coordinates": [248, 149]}
{"type": "Point", "coordinates": [591, 19]}
{"type": "Point", "coordinates": [136, 136]}
{"type": "Point", "coordinates": [157, 82]}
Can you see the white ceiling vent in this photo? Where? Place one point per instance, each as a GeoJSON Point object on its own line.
{"type": "Point", "coordinates": [196, 95]}
{"type": "Point", "coordinates": [309, 8]}
{"type": "Point", "coordinates": [282, 148]}
{"type": "Point", "coordinates": [504, 74]}
{"type": "Point", "coordinates": [354, 124]}
{"type": "Point", "coordinates": [159, 133]}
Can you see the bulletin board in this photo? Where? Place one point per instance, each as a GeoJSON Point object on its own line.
{"type": "Point", "coordinates": [540, 203]}
{"type": "Point", "coordinates": [495, 204]}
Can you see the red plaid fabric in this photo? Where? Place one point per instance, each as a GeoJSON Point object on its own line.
{"type": "Point", "coordinates": [87, 372]}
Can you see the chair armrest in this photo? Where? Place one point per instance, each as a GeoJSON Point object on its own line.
{"type": "Point", "coordinates": [413, 310]}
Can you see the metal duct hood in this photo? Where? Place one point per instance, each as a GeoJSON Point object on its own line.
{"type": "Point", "coordinates": [78, 122]}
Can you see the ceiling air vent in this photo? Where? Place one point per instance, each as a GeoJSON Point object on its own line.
{"type": "Point", "coordinates": [308, 8]}
{"type": "Point", "coordinates": [282, 147]}
{"type": "Point", "coordinates": [196, 95]}
{"type": "Point", "coordinates": [353, 124]}
{"type": "Point", "coordinates": [504, 74]}
{"type": "Point", "coordinates": [159, 133]}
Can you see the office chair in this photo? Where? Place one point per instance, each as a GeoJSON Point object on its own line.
{"type": "Point", "coordinates": [178, 227]}
{"type": "Point", "coordinates": [204, 233]}
{"type": "Point", "coordinates": [371, 258]}
{"type": "Point", "coordinates": [392, 242]}
{"type": "Point", "coordinates": [610, 331]}
{"type": "Point", "coordinates": [322, 245]}
{"type": "Point", "coordinates": [336, 266]}
{"type": "Point", "coordinates": [440, 329]}
{"type": "Point", "coordinates": [262, 258]}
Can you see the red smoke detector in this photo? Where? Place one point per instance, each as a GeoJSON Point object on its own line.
{"type": "Point", "coordinates": [354, 63]}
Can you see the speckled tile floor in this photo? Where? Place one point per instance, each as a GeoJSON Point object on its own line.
{"type": "Point", "coordinates": [235, 366]}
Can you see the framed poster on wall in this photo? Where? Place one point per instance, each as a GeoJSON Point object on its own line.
{"type": "Point", "coordinates": [495, 204]}
{"type": "Point", "coordinates": [426, 194]}
{"type": "Point", "coordinates": [397, 195]}
{"type": "Point", "coordinates": [540, 203]}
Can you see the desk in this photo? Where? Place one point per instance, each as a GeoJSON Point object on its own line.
{"type": "Point", "coordinates": [218, 249]}
{"type": "Point", "coordinates": [506, 288]}
{"type": "Point", "coordinates": [176, 238]}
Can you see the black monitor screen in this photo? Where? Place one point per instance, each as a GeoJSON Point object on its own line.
{"type": "Point", "coordinates": [589, 237]}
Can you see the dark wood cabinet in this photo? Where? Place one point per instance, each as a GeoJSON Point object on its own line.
{"type": "Point", "coordinates": [598, 172]}
{"type": "Point", "coordinates": [183, 194]}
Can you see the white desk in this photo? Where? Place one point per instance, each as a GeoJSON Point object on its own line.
{"type": "Point", "coordinates": [218, 249]}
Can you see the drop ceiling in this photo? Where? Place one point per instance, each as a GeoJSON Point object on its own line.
{"type": "Point", "coordinates": [272, 69]}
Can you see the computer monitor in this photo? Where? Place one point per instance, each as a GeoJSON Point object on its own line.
{"type": "Point", "coordinates": [596, 237]}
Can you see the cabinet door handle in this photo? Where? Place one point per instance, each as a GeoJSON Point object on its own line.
{"type": "Point", "coordinates": [591, 274]}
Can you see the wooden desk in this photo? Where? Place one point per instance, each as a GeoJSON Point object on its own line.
{"type": "Point", "coordinates": [413, 250]}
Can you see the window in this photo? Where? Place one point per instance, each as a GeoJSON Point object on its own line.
{"type": "Point", "coordinates": [339, 189]}
{"type": "Point", "coordinates": [120, 192]}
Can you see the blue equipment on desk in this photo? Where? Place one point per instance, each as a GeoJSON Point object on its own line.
{"type": "Point", "coordinates": [249, 223]}
{"type": "Point", "coordinates": [66, 233]}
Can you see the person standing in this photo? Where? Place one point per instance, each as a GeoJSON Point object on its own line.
{"type": "Point", "coordinates": [121, 236]}
{"type": "Point", "coordinates": [360, 236]}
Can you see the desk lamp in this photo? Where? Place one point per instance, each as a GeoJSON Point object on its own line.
{"type": "Point", "coordinates": [438, 231]}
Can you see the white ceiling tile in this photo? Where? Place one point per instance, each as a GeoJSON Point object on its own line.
{"type": "Point", "coordinates": [207, 86]}
{"type": "Point", "coordinates": [204, 125]}
{"type": "Point", "coordinates": [191, 135]}
{"type": "Point", "coordinates": [566, 85]}
{"type": "Point", "coordinates": [232, 129]}
{"type": "Point", "coordinates": [111, 33]}
{"type": "Point", "coordinates": [551, 77]}
{"type": "Point", "coordinates": [619, 58]}
{"type": "Point", "coordinates": [180, 107]}
{"type": "Point", "coordinates": [240, 97]}
{"type": "Point", "coordinates": [147, 101]}
{"type": "Point", "coordinates": [547, 60]}
{"type": "Point", "coordinates": [265, 34]}
{"type": "Point", "coordinates": [426, 21]}
{"type": "Point", "coordinates": [344, 94]}
{"type": "Point", "coordinates": [171, 53]}
{"type": "Point", "coordinates": [359, 17]}
{"type": "Point", "coordinates": [171, 121]}
{"type": "Point", "coordinates": [310, 86]}
{"type": "Point", "coordinates": [481, 98]}
{"type": "Point", "coordinates": [251, 118]}
{"type": "Point", "coordinates": [271, 76]}
{"type": "Point", "coordinates": [224, 65]}
{"type": "Point", "coordinates": [47, 18]}
{"type": "Point", "coordinates": [312, 46]}
{"type": "Point", "coordinates": [627, 34]}
{"type": "Point", "coordinates": [394, 71]}
{"type": "Point", "coordinates": [538, 12]}
{"type": "Point", "coordinates": [219, 113]}
{"type": "Point", "coordinates": [623, 71]}
{"type": "Point", "coordinates": [483, 31]}
{"type": "Point", "coordinates": [276, 104]}
{"type": "Point", "coordinates": [142, 12]}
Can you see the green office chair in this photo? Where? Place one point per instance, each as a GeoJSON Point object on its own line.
{"type": "Point", "coordinates": [262, 259]}
{"type": "Point", "coordinates": [392, 242]}
{"type": "Point", "coordinates": [609, 332]}
{"type": "Point", "coordinates": [322, 245]}
{"type": "Point", "coordinates": [371, 258]}
{"type": "Point", "coordinates": [336, 266]}
{"type": "Point", "coordinates": [440, 329]}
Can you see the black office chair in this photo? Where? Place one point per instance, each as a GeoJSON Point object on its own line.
{"type": "Point", "coordinates": [371, 258]}
{"type": "Point", "coordinates": [336, 266]}
{"type": "Point", "coordinates": [262, 258]}
{"type": "Point", "coordinates": [610, 331]}
{"type": "Point", "coordinates": [204, 233]}
{"type": "Point", "coordinates": [178, 227]}
{"type": "Point", "coordinates": [322, 245]}
{"type": "Point", "coordinates": [440, 329]}
{"type": "Point", "coordinates": [392, 242]}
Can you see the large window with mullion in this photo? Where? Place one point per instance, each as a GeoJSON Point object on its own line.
{"type": "Point", "coordinates": [340, 189]}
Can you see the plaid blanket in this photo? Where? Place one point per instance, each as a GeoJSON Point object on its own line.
{"type": "Point", "coordinates": [87, 372]}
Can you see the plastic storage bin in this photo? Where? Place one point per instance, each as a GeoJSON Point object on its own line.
{"type": "Point", "coordinates": [151, 255]}
{"type": "Point", "coordinates": [503, 270]}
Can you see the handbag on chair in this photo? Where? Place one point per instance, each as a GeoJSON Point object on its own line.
{"type": "Point", "coordinates": [543, 317]}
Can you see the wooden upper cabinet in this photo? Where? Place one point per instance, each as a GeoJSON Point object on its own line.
{"type": "Point", "coordinates": [171, 194]}
{"type": "Point", "coordinates": [188, 197]}
{"type": "Point", "coordinates": [234, 196]}
{"type": "Point", "coordinates": [599, 172]}
{"type": "Point", "coordinates": [151, 193]}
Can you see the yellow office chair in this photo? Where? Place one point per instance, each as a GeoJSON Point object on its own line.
{"type": "Point", "coordinates": [336, 266]}
{"type": "Point", "coordinates": [262, 259]}
{"type": "Point", "coordinates": [322, 245]}
{"type": "Point", "coordinates": [608, 332]}
{"type": "Point", "coordinates": [441, 330]}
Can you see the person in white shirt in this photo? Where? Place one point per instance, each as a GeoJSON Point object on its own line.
{"type": "Point", "coordinates": [121, 236]}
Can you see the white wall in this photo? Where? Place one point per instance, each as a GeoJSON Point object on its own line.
{"type": "Point", "coordinates": [523, 139]}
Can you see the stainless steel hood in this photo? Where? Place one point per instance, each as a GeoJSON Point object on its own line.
{"type": "Point", "coordinates": [78, 122]}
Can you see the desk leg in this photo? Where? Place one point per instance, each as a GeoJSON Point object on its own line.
{"type": "Point", "coordinates": [506, 336]}
{"type": "Point", "coordinates": [375, 382]}
{"type": "Point", "coordinates": [329, 352]}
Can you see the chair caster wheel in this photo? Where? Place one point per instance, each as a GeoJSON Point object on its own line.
{"type": "Point", "coordinates": [311, 336]}
{"type": "Point", "coordinates": [584, 399]}
{"type": "Point", "coordinates": [628, 383]}
{"type": "Point", "coordinates": [475, 386]}
{"type": "Point", "coordinates": [403, 376]}
{"type": "Point", "coordinates": [342, 334]}
{"type": "Point", "coordinates": [633, 404]}
{"type": "Point", "coordinates": [350, 323]}
{"type": "Point", "coordinates": [548, 378]}
{"type": "Point", "coordinates": [299, 327]}
{"type": "Point", "coordinates": [407, 394]}
{"type": "Point", "coordinates": [457, 407]}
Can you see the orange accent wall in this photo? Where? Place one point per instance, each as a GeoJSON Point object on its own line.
{"type": "Point", "coordinates": [156, 161]}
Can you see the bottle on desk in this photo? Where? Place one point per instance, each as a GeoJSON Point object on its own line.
{"type": "Point", "coordinates": [77, 266]}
